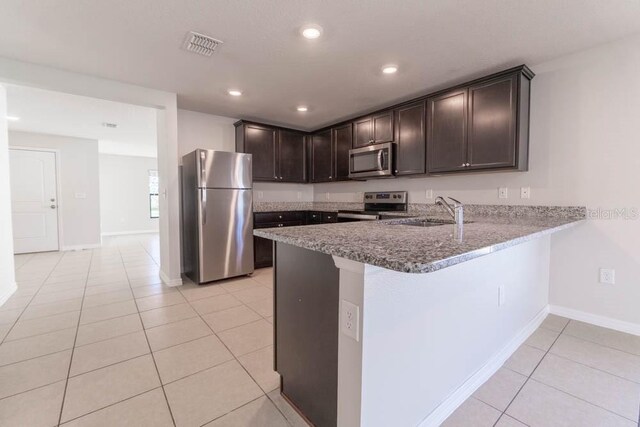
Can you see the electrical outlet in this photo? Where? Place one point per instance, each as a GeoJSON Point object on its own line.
{"type": "Point", "coordinates": [502, 298]}
{"type": "Point", "coordinates": [503, 193]}
{"type": "Point", "coordinates": [350, 320]}
{"type": "Point", "coordinates": [299, 195]}
{"type": "Point", "coordinates": [428, 194]}
{"type": "Point", "coordinates": [608, 276]}
{"type": "Point", "coordinates": [328, 196]}
{"type": "Point", "coordinates": [525, 192]}
{"type": "Point", "coordinates": [260, 194]}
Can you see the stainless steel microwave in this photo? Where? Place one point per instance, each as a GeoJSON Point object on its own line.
{"type": "Point", "coordinates": [372, 161]}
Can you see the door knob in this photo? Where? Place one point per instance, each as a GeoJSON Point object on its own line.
{"type": "Point", "coordinates": [52, 206]}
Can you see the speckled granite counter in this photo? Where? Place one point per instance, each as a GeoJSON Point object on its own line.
{"type": "Point", "coordinates": [410, 249]}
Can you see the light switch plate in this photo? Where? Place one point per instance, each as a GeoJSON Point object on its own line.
{"type": "Point", "coordinates": [428, 194]}
{"type": "Point", "coordinates": [260, 194]}
{"type": "Point", "coordinates": [80, 195]}
{"type": "Point", "coordinates": [350, 319]}
{"type": "Point", "coordinates": [503, 193]}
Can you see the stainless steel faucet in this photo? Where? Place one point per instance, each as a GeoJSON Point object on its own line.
{"type": "Point", "coordinates": [456, 210]}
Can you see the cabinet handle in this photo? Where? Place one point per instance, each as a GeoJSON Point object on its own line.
{"type": "Point", "coordinates": [468, 164]}
{"type": "Point", "coordinates": [280, 225]}
{"type": "Point", "coordinates": [280, 216]}
{"type": "Point", "coordinates": [463, 165]}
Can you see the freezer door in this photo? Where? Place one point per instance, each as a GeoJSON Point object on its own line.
{"type": "Point", "coordinates": [221, 169]}
{"type": "Point", "coordinates": [226, 233]}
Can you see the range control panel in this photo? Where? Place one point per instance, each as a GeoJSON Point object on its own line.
{"type": "Point", "coordinates": [386, 197]}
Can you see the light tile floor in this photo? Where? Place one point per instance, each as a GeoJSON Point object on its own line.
{"type": "Point", "coordinates": [93, 338]}
{"type": "Point", "coordinates": [567, 373]}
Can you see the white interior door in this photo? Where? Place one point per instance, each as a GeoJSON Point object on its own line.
{"type": "Point", "coordinates": [34, 202]}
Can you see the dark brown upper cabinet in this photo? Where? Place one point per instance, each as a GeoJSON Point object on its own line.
{"type": "Point", "coordinates": [479, 125]}
{"type": "Point", "coordinates": [447, 131]}
{"type": "Point", "coordinates": [322, 157]}
{"type": "Point", "coordinates": [291, 156]}
{"type": "Point", "coordinates": [278, 154]}
{"type": "Point", "coordinates": [342, 137]}
{"type": "Point", "coordinates": [493, 117]}
{"type": "Point", "coordinates": [373, 129]}
{"type": "Point", "coordinates": [261, 142]}
{"type": "Point", "coordinates": [410, 139]}
{"type": "Point", "coordinates": [483, 125]}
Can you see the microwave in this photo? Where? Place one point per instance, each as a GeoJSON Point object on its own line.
{"type": "Point", "coordinates": [372, 161]}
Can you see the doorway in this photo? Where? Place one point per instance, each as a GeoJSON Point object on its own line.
{"type": "Point", "coordinates": [34, 200]}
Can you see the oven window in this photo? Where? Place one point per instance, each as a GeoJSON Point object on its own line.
{"type": "Point", "coordinates": [363, 162]}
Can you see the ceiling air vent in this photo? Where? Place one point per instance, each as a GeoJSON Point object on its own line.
{"type": "Point", "coordinates": [110, 125]}
{"type": "Point", "coordinates": [200, 44]}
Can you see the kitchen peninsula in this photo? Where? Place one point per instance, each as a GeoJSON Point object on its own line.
{"type": "Point", "coordinates": [388, 323]}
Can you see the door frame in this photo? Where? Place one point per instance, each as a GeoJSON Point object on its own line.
{"type": "Point", "coordinates": [56, 153]}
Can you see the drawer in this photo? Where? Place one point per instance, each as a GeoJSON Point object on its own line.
{"type": "Point", "coordinates": [329, 217]}
{"type": "Point", "coordinates": [279, 224]}
{"type": "Point", "coordinates": [314, 217]}
{"type": "Point", "coordinates": [266, 217]}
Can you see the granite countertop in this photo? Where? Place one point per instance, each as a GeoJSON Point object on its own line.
{"type": "Point", "coordinates": [410, 249]}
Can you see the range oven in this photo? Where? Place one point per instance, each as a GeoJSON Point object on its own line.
{"type": "Point", "coordinates": [372, 161]}
{"type": "Point", "coordinates": [376, 206]}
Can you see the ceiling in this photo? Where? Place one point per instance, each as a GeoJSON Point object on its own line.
{"type": "Point", "coordinates": [56, 113]}
{"type": "Point", "coordinates": [434, 42]}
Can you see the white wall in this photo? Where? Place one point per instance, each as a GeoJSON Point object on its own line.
{"type": "Point", "coordinates": [79, 217]}
{"type": "Point", "coordinates": [165, 103]}
{"type": "Point", "coordinates": [585, 111]}
{"type": "Point", "coordinates": [200, 130]}
{"type": "Point", "coordinates": [124, 194]}
{"type": "Point", "coordinates": [7, 274]}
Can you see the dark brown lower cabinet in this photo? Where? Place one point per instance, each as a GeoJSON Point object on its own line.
{"type": "Point", "coordinates": [306, 331]}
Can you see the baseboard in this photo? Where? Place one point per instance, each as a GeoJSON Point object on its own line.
{"type": "Point", "coordinates": [80, 247]}
{"type": "Point", "coordinates": [595, 319]}
{"type": "Point", "coordinates": [7, 294]}
{"type": "Point", "coordinates": [170, 282]}
{"type": "Point", "coordinates": [446, 408]}
{"type": "Point", "coordinates": [124, 233]}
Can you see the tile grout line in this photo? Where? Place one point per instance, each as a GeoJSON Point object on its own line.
{"type": "Point", "coordinates": [155, 365]}
{"type": "Point", "coordinates": [236, 359]}
{"type": "Point", "coordinates": [66, 384]}
{"type": "Point", "coordinates": [29, 303]}
{"type": "Point", "coordinates": [529, 377]}
{"type": "Point", "coordinates": [563, 391]}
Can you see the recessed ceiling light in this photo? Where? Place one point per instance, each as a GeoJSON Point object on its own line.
{"type": "Point", "coordinates": [390, 69]}
{"type": "Point", "coordinates": [311, 31]}
{"type": "Point", "coordinates": [234, 92]}
{"type": "Point", "coordinates": [12, 118]}
{"type": "Point", "coordinates": [302, 109]}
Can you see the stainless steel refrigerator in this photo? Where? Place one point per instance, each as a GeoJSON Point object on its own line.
{"type": "Point", "coordinates": [217, 215]}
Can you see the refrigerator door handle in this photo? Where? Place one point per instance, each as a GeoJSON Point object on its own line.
{"type": "Point", "coordinates": [203, 206]}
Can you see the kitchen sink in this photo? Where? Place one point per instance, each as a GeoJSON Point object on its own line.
{"type": "Point", "coordinates": [425, 222]}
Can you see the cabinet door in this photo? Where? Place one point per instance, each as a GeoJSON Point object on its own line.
{"type": "Point", "coordinates": [447, 131]}
{"type": "Point", "coordinates": [263, 248]}
{"type": "Point", "coordinates": [291, 155]}
{"type": "Point", "coordinates": [362, 132]}
{"type": "Point", "coordinates": [382, 127]}
{"type": "Point", "coordinates": [342, 138]}
{"type": "Point", "coordinates": [492, 123]}
{"type": "Point", "coordinates": [322, 157]}
{"type": "Point", "coordinates": [411, 147]}
{"type": "Point", "coordinates": [261, 142]}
